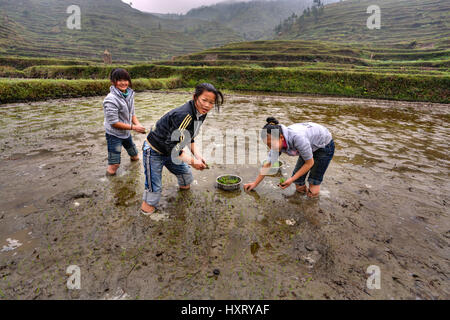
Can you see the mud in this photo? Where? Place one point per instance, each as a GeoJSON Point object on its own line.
{"type": "Point", "coordinates": [384, 202]}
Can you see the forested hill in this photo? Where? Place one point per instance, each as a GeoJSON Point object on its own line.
{"type": "Point", "coordinates": [421, 21]}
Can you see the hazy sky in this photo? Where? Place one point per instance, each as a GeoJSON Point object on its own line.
{"type": "Point", "coordinates": [169, 6]}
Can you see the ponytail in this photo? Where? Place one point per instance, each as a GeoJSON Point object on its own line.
{"type": "Point", "coordinates": [272, 125]}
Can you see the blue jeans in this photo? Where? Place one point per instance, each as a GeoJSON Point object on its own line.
{"type": "Point", "coordinates": [322, 158]}
{"type": "Point", "coordinates": [115, 148]}
{"type": "Point", "coordinates": [153, 166]}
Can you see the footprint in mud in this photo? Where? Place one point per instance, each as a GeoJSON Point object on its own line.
{"type": "Point", "coordinates": [119, 295]}
{"type": "Point", "coordinates": [312, 251]}
{"type": "Point", "coordinates": [311, 258]}
{"type": "Point", "coordinates": [290, 222]}
{"type": "Point", "coordinates": [71, 199]}
{"type": "Point", "coordinates": [159, 216]}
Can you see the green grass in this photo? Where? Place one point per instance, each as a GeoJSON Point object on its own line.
{"type": "Point", "coordinates": [97, 71]}
{"type": "Point", "coordinates": [25, 62]}
{"type": "Point", "coordinates": [433, 88]}
{"type": "Point", "coordinates": [10, 72]}
{"type": "Point", "coordinates": [350, 84]}
{"type": "Point", "coordinates": [312, 67]}
{"type": "Point", "coordinates": [22, 90]}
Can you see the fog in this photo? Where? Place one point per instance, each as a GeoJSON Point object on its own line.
{"type": "Point", "coordinates": [173, 6]}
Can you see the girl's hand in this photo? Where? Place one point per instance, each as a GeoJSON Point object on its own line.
{"type": "Point", "coordinates": [286, 184]}
{"type": "Point", "coordinates": [200, 158]}
{"type": "Point", "coordinates": [139, 128]}
{"type": "Point", "coordinates": [250, 186]}
{"type": "Point", "coordinates": [198, 164]}
{"type": "Point", "coordinates": [204, 162]}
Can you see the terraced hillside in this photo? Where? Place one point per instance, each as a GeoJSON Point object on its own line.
{"type": "Point", "coordinates": [414, 69]}
{"type": "Point", "coordinates": [275, 66]}
{"type": "Point", "coordinates": [38, 29]}
{"type": "Point", "coordinates": [402, 21]}
{"type": "Point", "coordinates": [328, 56]}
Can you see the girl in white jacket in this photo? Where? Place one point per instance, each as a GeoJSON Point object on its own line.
{"type": "Point", "coordinates": [311, 142]}
{"type": "Point", "coordinates": [120, 120]}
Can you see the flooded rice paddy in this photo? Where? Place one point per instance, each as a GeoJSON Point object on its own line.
{"type": "Point", "coordinates": [384, 202]}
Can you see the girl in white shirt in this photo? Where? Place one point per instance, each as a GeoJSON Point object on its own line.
{"type": "Point", "coordinates": [311, 142]}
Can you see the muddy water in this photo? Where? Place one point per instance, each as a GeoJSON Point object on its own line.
{"type": "Point", "coordinates": [384, 202]}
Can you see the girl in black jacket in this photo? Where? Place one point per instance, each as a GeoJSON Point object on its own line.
{"type": "Point", "coordinates": [165, 144]}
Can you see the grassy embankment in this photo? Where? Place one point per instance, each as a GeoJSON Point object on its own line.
{"type": "Point", "coordinates": [17, 90]}
{"type": "Point", "coordinates": [400, 73]}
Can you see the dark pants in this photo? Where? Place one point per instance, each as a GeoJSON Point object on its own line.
{"type": "Point", "coordinates": [322, 158]}
{"type": "Point", "coordinates": [115, 148]}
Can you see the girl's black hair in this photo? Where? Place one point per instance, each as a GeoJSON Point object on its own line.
{"type": "Point", "coordinates": [272, 125]}
{"type": "Point", "coordinates": [120, 74]}
{"type": "Point", "coordinates": [199, 89]}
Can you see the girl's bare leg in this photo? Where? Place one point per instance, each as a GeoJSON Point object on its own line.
{"type": "Point", "coordinates": [112, 169]}
{"type": "Point", "coordinates": [301, 189]}
{"type": "Point", "coordinates": [147, 208]}
{"type": "Point", "coordinates": [313, 191]}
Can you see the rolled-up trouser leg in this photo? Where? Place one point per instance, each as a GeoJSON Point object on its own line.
{"type": "Point", "coordinates": [181, 171]}
{"type": "Point", "coordinates": [322, 159]}
{"type": "Point", "coordinates": [129, 145]}
{"type": "Point", "coordinates": [185, 179]}
{"type": "Point", "coordinates": [114, 149]}
{"type": "Point", "coordinates": [300, 181]}
{"type": "Point", "coordinates": [153, 165]}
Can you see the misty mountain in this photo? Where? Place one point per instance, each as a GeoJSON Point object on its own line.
{"type": "Point", "coordinates": [254, 20]}
{"type": "Point", "coordinates": [39, 28]}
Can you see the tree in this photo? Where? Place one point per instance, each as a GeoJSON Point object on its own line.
{"type": "Point", "coordinates": [318, 3]}
{"type": "Point", "coordinates": [300, 21]}
{"type": "Point", "coordinates": [315, 13]}
{"type": "Point", "coordinates": [317, 9]}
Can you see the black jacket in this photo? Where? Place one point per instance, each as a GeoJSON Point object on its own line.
{"type": "Point", "coordinates": [170, 132]}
